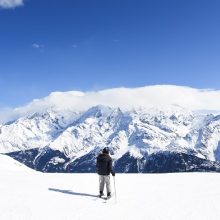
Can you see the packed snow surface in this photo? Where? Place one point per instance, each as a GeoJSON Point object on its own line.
{"type": "Point", "coordinates": [27, 194]}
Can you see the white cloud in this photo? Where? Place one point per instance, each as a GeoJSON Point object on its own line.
{"type": "Point", "coordinates": [10, 3]}
{"type": "Point", "coordinates": [37, 46]}
{"type": "Point", "coordinates": [125, 98]}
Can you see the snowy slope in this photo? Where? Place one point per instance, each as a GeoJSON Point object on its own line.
{"type": "Point", "coordinates": [10, 165]}
{"type": "Point", "coordinates": [33, 196]}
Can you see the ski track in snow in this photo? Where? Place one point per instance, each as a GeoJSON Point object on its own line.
{"type": "Point", "coordinates": [27, 195]}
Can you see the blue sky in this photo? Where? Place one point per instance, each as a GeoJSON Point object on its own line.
{"type": "Point", "coordinates": [86, 45]}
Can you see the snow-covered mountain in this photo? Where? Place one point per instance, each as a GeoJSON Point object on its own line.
{"type": "Point", "coordinates": [35, 131]}
{"type": "Point", "coordinates": [70, 141]}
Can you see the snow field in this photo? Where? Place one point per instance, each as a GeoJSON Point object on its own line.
{"type": "Point", "coordinates": [27, 195]}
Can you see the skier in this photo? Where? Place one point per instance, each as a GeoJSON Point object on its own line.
{"type": "Point", "coordinates": [104, 168]}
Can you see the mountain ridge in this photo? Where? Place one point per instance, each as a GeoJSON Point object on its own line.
{"type": "Point", "coordinates": [139, 132]}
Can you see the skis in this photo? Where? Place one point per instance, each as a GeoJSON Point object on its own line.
{"type": "Point", "coordinates": [103, 197]}
{"type": "Point", "coordinates": [106, 198]}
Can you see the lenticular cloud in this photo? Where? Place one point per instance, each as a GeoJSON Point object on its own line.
{"type": "Point", "coordinates": [10, 3]}
{"type": "Point", "coordinates": [124, 98]}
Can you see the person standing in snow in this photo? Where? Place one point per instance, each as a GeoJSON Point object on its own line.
{"type": "Point", "coordinates": [104, 168]}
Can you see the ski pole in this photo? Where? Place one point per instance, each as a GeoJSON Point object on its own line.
{"type": "Point", "coordinates": [115, 189]}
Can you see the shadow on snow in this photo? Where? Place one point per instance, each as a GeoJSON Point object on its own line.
{"type": "Point", "coordinates": [71, 192]}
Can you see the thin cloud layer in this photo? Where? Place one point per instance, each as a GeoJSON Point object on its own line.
{"type": "Point", "coordinates": [37, 46]}
{"type": "Point", "coordinates": [125, 98]}
{"type": "Point", "coordinates": [10, 3]}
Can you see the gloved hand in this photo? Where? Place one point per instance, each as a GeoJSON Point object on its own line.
{"type": "Point", "coordinates": [113, 173]}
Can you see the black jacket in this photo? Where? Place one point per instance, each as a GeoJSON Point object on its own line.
{"type": "Point", "coordinates": [104, 164]}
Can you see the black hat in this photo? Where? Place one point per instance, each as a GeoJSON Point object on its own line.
{"type": "Point", "coordinates": [105, 150]}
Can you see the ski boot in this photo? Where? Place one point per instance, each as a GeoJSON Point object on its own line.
{"type": "Point", "coordinates": [101, 194]}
